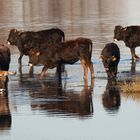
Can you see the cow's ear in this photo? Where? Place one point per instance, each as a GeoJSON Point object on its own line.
{"type": "Point", "coordinates": [113, 58]}
{"type": "Point", "coordinates": [14, 30]}
{"type": "Point", "coordinates": [124, 29]}
{"type": "Point", "coordinates": [19, 33]}
{"type": "Point", "coordinates": [37, 53]}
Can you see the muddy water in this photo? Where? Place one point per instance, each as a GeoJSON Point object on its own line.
{"type": "Point", "coordinates": [48, 110]}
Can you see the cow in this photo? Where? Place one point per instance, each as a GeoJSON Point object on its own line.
{"type": "Point", "coordinates": [110, 56]}
{"type": "Point", "coordinates": [25, 40]}
{"type": "Point", "coordinates": [5, 58]}
{"type": "Point", "coordinates": [131, 37]}
{"type": "Point", "coordinates": [67, 52]}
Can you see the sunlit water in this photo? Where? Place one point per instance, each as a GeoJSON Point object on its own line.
{"type": "Point", "coordinates": [48, 110]}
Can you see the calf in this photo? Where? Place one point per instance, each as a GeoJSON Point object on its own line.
{"type": "Point", "coordinates": [28, 39]}
{"type": "Point", "coordinates": [131, 37]}
{"type": "Point", "coordinates": [67, 52]}
{"type": "Point", "coordinates": [110, 57]}
{"type": "Point", "coordinates": [4, 67]}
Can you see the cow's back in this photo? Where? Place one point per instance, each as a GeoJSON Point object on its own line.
{"type": "Point", "coordinates": [111, 49]}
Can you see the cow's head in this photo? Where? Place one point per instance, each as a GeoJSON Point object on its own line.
{"type": "Point", "coordinates": [110, 65]}
{"type": "Point", "coordinates": [107, 61]}
{"type": "Point", "coordinates": [4, 79]}
{"type": "Point", "coordinates": [13, 37]}
{"type": "Point", "coordinates": [118, 33]}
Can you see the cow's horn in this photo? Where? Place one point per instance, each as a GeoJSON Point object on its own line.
{"type": "Point", "coordinates": [113, 58]}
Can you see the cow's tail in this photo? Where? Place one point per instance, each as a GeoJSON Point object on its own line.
{"type": "Point", "coordinates": [63, 36]}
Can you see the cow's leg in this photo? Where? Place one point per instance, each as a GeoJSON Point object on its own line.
{"type": "Point", "coordinates": [90, 65]}
{"type": "Point", "coordinates": [20, 57]}
{"type": "Point", "coordinates": [31, 71]}
{"type": "Point", "coordinates": [43, 72]}
{"type": "Point", "coordinates": [20, 63]}
{"type": "Point", "coordinates": [60, 66]}
{"type": "Point", "coordinates": [116, 70]}
{"type": "Point", "coordinates": [58, 69]}
{"type": "Point", "coordinates": [85, 67]}
{"type": "Point", "coordinates": [134, 56]}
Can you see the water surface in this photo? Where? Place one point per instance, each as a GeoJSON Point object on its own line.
{"type": "Point", "coordinates": [48, 110]}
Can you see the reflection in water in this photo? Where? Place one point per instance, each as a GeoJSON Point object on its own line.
{"type": "Point", "coordinates": [58, 100]}
{"type": "Point", "coordinates": [94, 19]}
{"type": "Point", "coordinates": [133, 67]}
{"type": "Point", "coordinates": [5, 115]}
{"type": "Point", "coordinates": [111, 98]}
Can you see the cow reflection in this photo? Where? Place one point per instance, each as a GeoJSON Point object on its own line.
{"type": "Point", "coordinates": [61, 101]}
{"type": "Point", "coordinates": [111, 98]}
{"type": "Point", "coordinates": [5, 115]}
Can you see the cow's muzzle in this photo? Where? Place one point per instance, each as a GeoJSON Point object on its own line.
{"type": "Point", "coordinates": [8, 42]}
{"type": "Point", "coordinates": [30, 64]}
{"type": "Point", "coordinates": [115, 39]}
{"type": "Point", "coordinates": [107, 69]}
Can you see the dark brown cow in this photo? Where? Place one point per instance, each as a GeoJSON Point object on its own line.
{"type": "Point", "coordinates": [25, 40]}
{"type": "Point", "coordinates": [4, 67]}
{"type": "Point", "coordinates": [4, 57]}
{"type": "Point", "coordinates": [130, 35]}
{"type": "Point", "coordinates": [67, 52]}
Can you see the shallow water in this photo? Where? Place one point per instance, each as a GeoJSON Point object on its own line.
{"type": "Point", "coordinates": [48, 110]}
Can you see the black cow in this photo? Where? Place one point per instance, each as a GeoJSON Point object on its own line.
{"type": "Point", "coordinates": [25, 40]}
{"type": "Point", "coordinates": [67, 52]}
{"type": "Point", "coordinates": [110, 57]}
{"type": "Point", "coordinates": [4, 57]}
{"type": "Point", "coordinates": [4, 66]}
{"type": "Point", "coordinates": [130, 35]}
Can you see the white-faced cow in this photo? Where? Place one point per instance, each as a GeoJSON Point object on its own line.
{"type": "Point", "coordinates": [67, 52]}
{"type": "Point", "coordinates": [131, 37]}
{"type": "Point", "coordinates": [25, 40]}
{"type": "Point", "coordinates": [110, 57]}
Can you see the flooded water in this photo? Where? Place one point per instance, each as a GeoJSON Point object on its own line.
{"type": "Point", "coordinates": [71, 110]}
